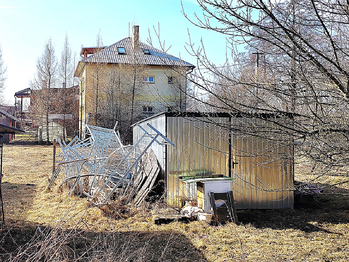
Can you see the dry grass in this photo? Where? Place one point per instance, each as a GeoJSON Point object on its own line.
{"type": "Point", "coordinates": [66, 229]}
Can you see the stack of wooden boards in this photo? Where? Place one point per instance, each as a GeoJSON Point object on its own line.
{"type": "Point", "coordinates": [147, 172]}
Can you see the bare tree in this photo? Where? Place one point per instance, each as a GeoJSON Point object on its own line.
{"type": "Point", "coordinates": [287, 59]}
{"type": "Point", "coordinates": [44, 81]}
{"type": "Point", "coordinates": [122, 103]}
{"type": "Point", "coordinates": [98, 81]}
{"type": "Point", "coordinates": [66, 70]}
{"type": "Point", "coordinates": [3, 70]}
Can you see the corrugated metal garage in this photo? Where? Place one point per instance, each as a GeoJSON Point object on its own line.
{"type": "Point", "coordinates": [213, 145]}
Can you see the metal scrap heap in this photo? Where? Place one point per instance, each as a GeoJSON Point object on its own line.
{"type": "Point", "coordinates": [100, 167]}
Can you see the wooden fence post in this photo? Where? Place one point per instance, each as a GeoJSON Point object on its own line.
{"type": "Point", "coordinates": [1, 175]}
{"type": "Point", "coordinates": [54, 156]}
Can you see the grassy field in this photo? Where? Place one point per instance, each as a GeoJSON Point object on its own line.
{"type": "Point", "coordinates": [50, 226]}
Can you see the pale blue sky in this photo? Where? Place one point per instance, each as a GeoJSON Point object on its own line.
{"type": "Point", "coordinates": [26, 25]}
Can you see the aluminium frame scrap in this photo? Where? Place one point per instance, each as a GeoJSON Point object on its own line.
{"type": "Point", "coordinates": [101, 168]}
{"type": "Point", "coordinates": [121, 181]}
{"type": "Point", "coordinates": [80, 159]}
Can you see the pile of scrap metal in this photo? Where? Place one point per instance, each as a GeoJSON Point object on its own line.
{"type": "Point", "coordinates": [100, 167]}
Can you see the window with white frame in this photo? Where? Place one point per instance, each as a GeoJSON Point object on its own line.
{"type": "Point", "coordinates": [149, 79]}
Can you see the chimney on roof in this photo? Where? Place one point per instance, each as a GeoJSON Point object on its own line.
{"type": "Point", "coordinates": [135, 34]}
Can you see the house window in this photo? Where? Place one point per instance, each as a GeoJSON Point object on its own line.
{"type": "Point", "coordinates": [121, 50]}
{"type": "Point", "coordinates": [148, 110]}
{"type": "Point", "coordinates": [170, 79]}
{"type": "Point", "coordinates": [149, 79]}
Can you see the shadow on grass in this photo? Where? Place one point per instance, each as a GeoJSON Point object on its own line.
{"type": "Point", "coordinates": [35, 243]}
{"type": "Point", "coordinates": [18, 199]}
{"type": "Point", "coordinates": [332, 206]}
{"type": "Point", "coordinates": [29, 142]}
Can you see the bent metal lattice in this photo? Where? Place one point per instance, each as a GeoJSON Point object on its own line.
{"type": "Point", "coordinates": [100, 167]}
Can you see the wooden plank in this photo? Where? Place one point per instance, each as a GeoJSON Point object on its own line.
{"type": "Point", "coordinates": [213, 203]}
{"type": "Point", "coordinates": [142, 196]}
{"type": "Point", "coordinates": [221, 214]}
{"type": "Point", "coordinates": [147, 186]}
{"type": "Point", "coordinates": [233, 209]}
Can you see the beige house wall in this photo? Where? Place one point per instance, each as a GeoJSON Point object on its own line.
{"type": "Point", "coordinates": [160, 95]}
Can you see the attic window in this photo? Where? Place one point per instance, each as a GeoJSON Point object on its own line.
{"type": "Point", "coordinates": [146, 51]}
{"type": "Point", "coordinates": [121, 50]}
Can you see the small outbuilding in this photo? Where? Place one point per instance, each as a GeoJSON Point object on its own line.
{"type": "Point", "coordinates": [9, 122]}
{"type": "Point", "coordinates": [252, 152]}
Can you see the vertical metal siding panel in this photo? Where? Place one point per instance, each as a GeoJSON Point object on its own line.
{"type": "Point", "coordinates": [202, 152]}
{"type": "Point", "coordinates": [245, 171]}
{"type": "Point", "coordinates": [192, 145]}
{"type": "Point", "coordinates": [208, 148]}
{"type": "Point", "coordinates": [259, 172]}
{"type": "Point", "coordinates": [263, 174]}
{"type": "Point", "coordinates": [274, 182]}
{"type": "Point", "coordinates": [217, 159]}
{"type": "Point", "coordinates": [241, 175]}
{"type": "Point", "coordinates": [171, 159]}
{"type": "Point", "coordinates": [190, 131]}
{"type": "Point", "coordinates": [219, 144]}
{"type": "Point", "coordinates": [237, 168]}
{"type": "Point", "coordinates": [183, 158]}
{"type": "Point", "coordinates": [199, 148]}
{"type": "Point", "coordinates": [206, 163]}
{"type": "Point", "coordinates": [248, 171]}
{"type": "Point", "coordinates": [251, 167]}
{"type": "Point", "coordinates": [288, 167]}
{"type": "Point", "coordinates": [226, 141]}
{"type": "Point", "coordinates": [273, 177]}
{"type": "Point", "coordinates": [281, 178]}
{"type": "Point", "coordinates": [179, 161]}
{"type": "Point", "coordinates": [270, 168]}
